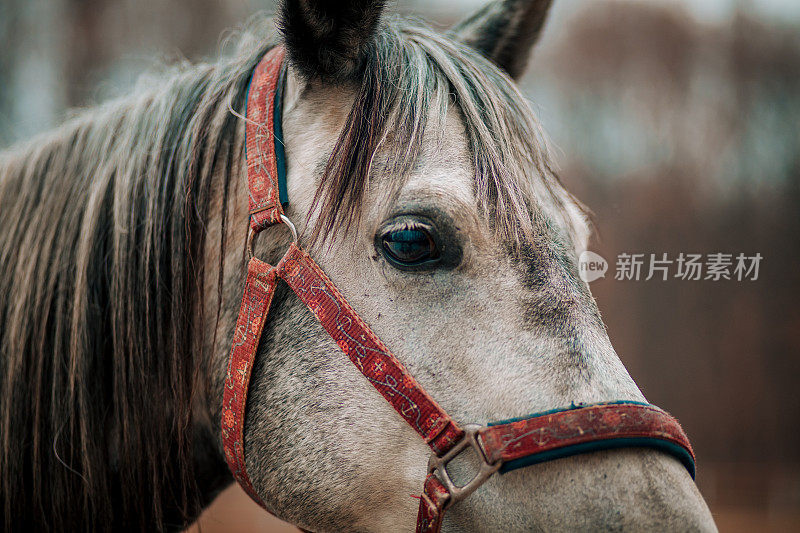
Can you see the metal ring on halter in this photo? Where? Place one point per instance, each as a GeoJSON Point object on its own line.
{"type": "Point", "coordinates": [438, 465]}
{"type": "Point", "coordinates": [251, 235]}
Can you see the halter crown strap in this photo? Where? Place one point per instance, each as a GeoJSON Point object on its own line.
{"type": "Point", "coordinates": [265, 156]}
{"type": "Point", "coordinates": [501, 446]}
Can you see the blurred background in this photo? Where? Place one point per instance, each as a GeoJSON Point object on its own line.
{"type": "Point", "coordinates": [676, 122]}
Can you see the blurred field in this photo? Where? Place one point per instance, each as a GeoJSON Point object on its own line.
{"type": "Point", "coordinates": [234, 512]}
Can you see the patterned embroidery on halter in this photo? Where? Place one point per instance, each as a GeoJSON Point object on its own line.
{"type": "Point", "coordinates": [259, 289]}
{"type": "Point", "coordinates": [262, 170]}
{"type": "Point", "coordinates": [565, 428]}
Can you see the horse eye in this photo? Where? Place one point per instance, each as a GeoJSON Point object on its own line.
{"type": "Point", "coordinates": [409, 247]}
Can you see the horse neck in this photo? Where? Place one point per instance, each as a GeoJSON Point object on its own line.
{"type": "Point", "coordinates": [105, 403]}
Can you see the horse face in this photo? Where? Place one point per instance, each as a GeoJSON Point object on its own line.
{"type": "Point", "coordinates": [492, 327]}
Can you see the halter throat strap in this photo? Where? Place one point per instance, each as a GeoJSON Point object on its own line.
{"type": "Point", "coordinates": [500, 446]}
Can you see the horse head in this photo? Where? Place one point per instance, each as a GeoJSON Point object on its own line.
{"type": "Point", "coordinates": [419, 181]}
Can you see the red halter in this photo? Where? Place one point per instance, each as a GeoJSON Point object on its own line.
{"type": "Point", "coordinates": [501, 446]}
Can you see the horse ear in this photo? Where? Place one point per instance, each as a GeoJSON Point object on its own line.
{"type": "Point", "coordinates": [505, 31]}
{"type": "Point", "coordinates": [326, 39]}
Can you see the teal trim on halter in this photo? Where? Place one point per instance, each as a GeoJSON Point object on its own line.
{"type": "Point", "coordinates": [628, 442]}
{"type": "Point", "coordinates": [280, 151]}
{"type": "Point", "coordinates": [570, 408]}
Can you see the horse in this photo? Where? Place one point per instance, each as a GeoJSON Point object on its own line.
{"type": "Point", "coordinates": [123, 237]}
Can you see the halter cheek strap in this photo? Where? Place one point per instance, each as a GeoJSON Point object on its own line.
{"type": "Point", "coordinates": [500, 446]}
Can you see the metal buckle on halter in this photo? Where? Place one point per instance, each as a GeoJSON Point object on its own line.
{"type": "Point", "coordinates": [251, 235]}
{"type": "Point", "coordinates": [439, 465]}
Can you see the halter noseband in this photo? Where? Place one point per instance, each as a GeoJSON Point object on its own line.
{"type": "Point", "coordinates": [499, 446]}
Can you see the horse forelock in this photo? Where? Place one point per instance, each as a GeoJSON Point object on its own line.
{"type": "Point", "coordinates": [413, 74]}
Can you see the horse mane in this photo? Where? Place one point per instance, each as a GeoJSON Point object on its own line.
{"type": "Point", "coordinates": [101, 241]}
